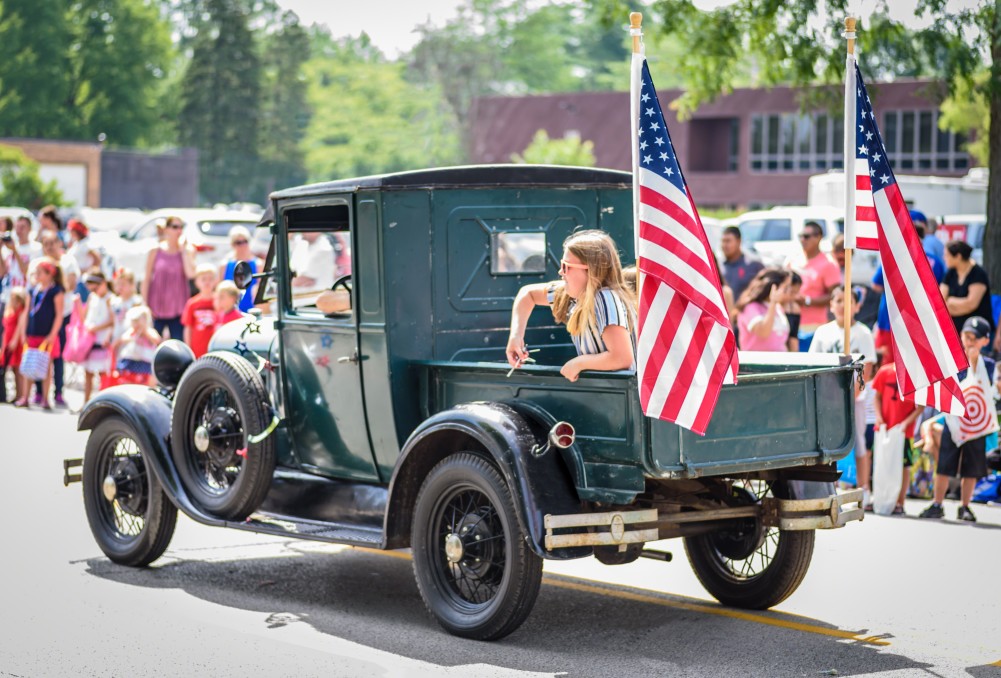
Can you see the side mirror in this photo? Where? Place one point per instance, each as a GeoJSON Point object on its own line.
{"type": "Point", "coordinates": [242, 275]}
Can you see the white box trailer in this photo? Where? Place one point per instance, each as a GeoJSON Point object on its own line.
{"type": "Point", "coordinates": [932, 195]}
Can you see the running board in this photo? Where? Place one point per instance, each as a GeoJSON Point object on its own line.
{"type": "Point", "coordinates": [313, 530]}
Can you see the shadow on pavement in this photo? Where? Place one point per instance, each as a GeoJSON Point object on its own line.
{"type": "Point", "coordinates": [588, 630]}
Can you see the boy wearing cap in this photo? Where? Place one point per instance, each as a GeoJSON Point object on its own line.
{"type": "Point", "coordinates": [969, 457]}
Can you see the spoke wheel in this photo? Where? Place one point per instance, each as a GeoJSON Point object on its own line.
{"type": "Point", "coordinates": [474, 570]}
{"type": "Point", "coordinates": [129, 514]}
{"type": "Point", "coordinates": [220, 402]}
{"type": "Point", "coordinates": [751, 566]}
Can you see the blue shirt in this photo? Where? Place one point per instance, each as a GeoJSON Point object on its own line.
{"type": "Point", "coordinates": [933, 246]}
{"type": "Point", "coordinates": [247, 300]}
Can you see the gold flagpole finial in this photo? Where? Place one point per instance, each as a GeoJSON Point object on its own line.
{"type": "Point", "coordinates": [636, 30]}
{"type": "Point", "coordinates": [850, 33]}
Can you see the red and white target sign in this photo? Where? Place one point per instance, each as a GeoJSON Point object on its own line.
{"type": "Point", "coordinates": [981, 417]}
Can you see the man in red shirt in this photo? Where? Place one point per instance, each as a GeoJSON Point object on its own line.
{"type": "Point", "coordinates": [892, 411]}
{"type": "Point", "coordinates": [199, 317]}
{"type": "Point", "coordinates": [820, 276]}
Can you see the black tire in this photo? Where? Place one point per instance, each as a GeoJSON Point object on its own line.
{"type": "Point", "coordinates": [754, 568]}
{"type": "Point", "coordinates": [465, 497]}
{"type": "Point", "coordinates": [135, 527]}
{"type": "Point", "coordinates": [225, 396]}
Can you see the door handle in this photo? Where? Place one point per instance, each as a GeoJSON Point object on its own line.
{"type": "Point", "coordinates": [344, 359]}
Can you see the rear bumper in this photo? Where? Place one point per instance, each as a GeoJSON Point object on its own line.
{"type": "Point", "coordinates": [614, 528]}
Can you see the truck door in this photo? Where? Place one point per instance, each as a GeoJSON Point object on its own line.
{"type": "Point", "coordinates": [325, 411]}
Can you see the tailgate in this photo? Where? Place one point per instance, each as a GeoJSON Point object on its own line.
{"type": "Point", "coordinates": [777, 416]}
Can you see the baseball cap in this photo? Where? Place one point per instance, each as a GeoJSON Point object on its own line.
{"type": "Point", "coordinates": [917, 216]}
{"type": "Point", "coordinates": [977, 326]}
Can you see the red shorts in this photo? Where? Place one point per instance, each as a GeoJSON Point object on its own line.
{"type": "Point", "coordinates": [54, 350]}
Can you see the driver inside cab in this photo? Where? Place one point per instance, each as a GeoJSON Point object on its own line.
{"type": "Point", "coordinates": [316, 268]}
{"type": "Point", "coordinates": [591, 299]}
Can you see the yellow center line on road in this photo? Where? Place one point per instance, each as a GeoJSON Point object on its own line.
{"type": "Point", "coordinates": [997, 663]}
{"type": "Point", "coordinates": [573, 584]}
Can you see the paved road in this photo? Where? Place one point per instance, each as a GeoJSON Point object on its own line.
{"type": "Point", "coordinates": [892, 597]}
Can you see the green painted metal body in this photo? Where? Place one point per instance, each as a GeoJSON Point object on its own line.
{"type": "Point", "coordinates": [430, 325]}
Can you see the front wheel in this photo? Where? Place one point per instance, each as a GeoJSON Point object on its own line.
{"type": "Point", "coordinates": [753, 567]}
{"type": "Point", "coordinates": [130, 516]}
{"type": "Point", "coordinates": [475, 571]}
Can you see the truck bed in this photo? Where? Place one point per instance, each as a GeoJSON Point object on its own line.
{"type": "Point", "coordinates": [786, 410]}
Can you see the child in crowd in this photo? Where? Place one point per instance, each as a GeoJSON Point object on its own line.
{"type": "Point", "coordinates": [14, 323]}
{"type": "Point", "coordinates": [227, 297]}
{"type": "Point", "coordinates": [45, 318]}
{"type": "Point", "coordinates": [791, 309]}
{"type": "Point", "coordinates": [868, 398]}
{"type": "Point", "coordinates": [968, 459]}
{"type": "Point", "coordinates": [136, 347]}
{"type": "Point", "coordinates": [100, 321]}
{"type": "Point", "coordinates": [125, 298]}
{"type": "Point", "coordinates": [892, 411]}
{"type": "Point", "coordinates": [830, 338]}
{"type": "Point", "coordinates": [199, 316]}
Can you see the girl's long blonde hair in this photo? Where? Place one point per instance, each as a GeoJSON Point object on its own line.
{"type": "Point", "coordinates": [596, 249]}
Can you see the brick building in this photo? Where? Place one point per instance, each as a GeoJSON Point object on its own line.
{"type": "Point", "coordinates": [750, 148]}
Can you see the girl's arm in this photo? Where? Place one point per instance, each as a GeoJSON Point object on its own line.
{"type": "Point", "coordinates": [22, 326]}
{"type": "Point", "coordinates": [528, 298]}
{"type": "Point", "coordinates": [877, 404]}
{"type": "Point", "coordinates": [58, 323]}
{"type": "Point", "coordinates": [619, 355]}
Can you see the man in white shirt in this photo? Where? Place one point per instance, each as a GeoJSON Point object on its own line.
{"type": "Point", "coordinates": [313, 263]}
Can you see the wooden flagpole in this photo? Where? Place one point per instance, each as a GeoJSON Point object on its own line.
{"type": "Point", "coordinates": [636, 31]}
{"type": "Point", "coordinates": [849, 296]}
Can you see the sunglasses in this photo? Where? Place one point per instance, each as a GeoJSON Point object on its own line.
{"type": "Point", "coordinates": [239, 242]}
{"type": "Point", "coordinates": [566, 265]}
{"type": "Point", "coordinates": [174, 227]}
{"type": "Point", "coordinates": [807, 236]}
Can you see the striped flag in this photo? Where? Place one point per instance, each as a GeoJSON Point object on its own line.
{"type": "Point", "coordinates": [686, 350]}
{"type": "Point", "coordinates": [927, 349]}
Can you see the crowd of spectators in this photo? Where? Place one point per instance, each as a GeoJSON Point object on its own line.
{"type": "Point", "coordinates": [800, 307]}
{"type": "Point", "coordinates": [55, 280]}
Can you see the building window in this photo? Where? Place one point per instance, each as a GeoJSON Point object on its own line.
{"type": "Point", "coordinates": [914, 141]}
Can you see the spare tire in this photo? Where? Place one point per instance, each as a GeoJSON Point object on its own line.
{"type": "Point", "coordinates": [220, 402]}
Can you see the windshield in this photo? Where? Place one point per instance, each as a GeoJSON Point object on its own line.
{"type": "Point", "coordinates": [757, 230]}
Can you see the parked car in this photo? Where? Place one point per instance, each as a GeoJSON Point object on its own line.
{"type": "Point", "coordinates": [774, 235]}
{"type": "Point", "coordinates": [968, 227]}
{"type": "Point", "coordinates": [108, 219]}
{"type": "Point", "coordinates": [390, 419]}
{"type": "Point", "coordinates": [206, 229]}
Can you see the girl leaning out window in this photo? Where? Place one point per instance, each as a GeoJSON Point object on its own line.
{"type": "Point", "coordinates": [591, 299]}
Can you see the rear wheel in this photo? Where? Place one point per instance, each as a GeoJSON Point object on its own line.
{"type": "Point", "coordinates": [754, 566]}
{"type": "Point", "coordinates": [475, 572]}
{"type": "Point", "coordinates": [130, 516]}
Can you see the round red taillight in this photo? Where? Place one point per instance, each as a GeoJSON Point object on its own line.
{"type": "Point", "coordinates": [562, 435]}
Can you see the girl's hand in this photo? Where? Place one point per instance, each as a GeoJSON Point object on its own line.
{"type": "Point", "coordinates": [776, 296]}
{"type": "Point", "coordinates": [516, 351]}
{"type": "Point", "coordinates": [571, 370]}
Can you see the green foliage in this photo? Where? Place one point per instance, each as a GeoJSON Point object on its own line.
{"type": "Point", "coordinates": [567, 151]}
{"type": "Point", "coordinates": [366, 117]}
{"type": "Point", "coordinates": [21, 185]}
{"type": "Point", "coordinates": [967, 109]}
{"type": "Point", "coordinates": [220, 107]}
{"type": "Point", "coordinates": [74, 69]}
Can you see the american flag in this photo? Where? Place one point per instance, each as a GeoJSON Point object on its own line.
{"type": "Point", "coordinates": [686, 348]}
{"type": "Point", "coordinates": [927, 349]}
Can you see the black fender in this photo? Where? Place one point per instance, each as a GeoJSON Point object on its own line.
{"type": "Point", "coordinates": [148, 413]}
{"type": "Point", "coordinates": [504, 432]}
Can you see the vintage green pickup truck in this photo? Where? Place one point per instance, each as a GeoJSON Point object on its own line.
{"type": "Point", "coordinates": [375, 408]}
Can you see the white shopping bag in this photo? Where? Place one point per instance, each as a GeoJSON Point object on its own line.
{"type": "Point", "coordinates": [888, 467]}
{"type": "Point", "coordinates": [981, 415]}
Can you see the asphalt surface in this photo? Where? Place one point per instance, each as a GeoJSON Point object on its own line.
{"type": "Point", "coordinates": [888, 597]}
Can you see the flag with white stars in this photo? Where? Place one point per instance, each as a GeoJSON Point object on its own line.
{"type": "Point", "coordinates": [686, 349]}
{"type": "Point", "coordinates": [927, 350]}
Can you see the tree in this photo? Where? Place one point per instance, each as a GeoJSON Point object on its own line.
{"type": "Point", "coordinates": [366, 118]}
{"type": "Point", "coordinates": [220, 108]}
{"type": "Point", "coordinates": [967, 109]}
{"type": "Point", "coordinates": [567, 151]}
{"type": "Point", "coordinates": [791, 42]}
{"type": "Point", "coordinates": [21, 185]}
{"type": "Point", "coordinates": [284, 110]}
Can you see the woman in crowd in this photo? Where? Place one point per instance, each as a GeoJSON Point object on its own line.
{"type": "Point", "coordinates": [239, 240]}
{"type": "Point", "coordinates": [761, 323]}
{"type": "Point", "coordinates": [966, 288]}
{"type": "Point", "coordinates": [166, 288]}
{"type": "Point", "coordinates": [591, 299]}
